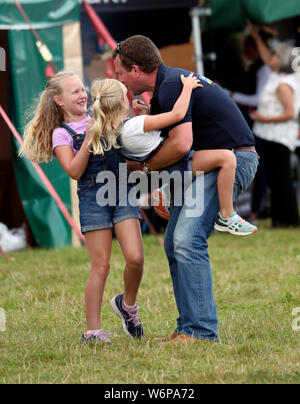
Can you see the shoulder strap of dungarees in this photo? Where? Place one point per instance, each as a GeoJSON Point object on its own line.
{"type": "Point", "coordinates": [69, 129]}
{"type": "Point", "coordinates": [90, 113]}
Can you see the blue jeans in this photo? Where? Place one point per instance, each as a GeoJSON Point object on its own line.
{"type": "Point", "coordinates": [187, 251]}
{"type": "Point", "coordinates": [98, 216]}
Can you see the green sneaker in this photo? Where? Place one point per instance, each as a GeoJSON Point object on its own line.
{"type": "Point", "coordinates": [235, 225]}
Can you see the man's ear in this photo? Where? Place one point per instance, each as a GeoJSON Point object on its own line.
{"type": "Point", "coordinates": [58, 100]}
{"type": "Point", "coordinates": [137, 70]}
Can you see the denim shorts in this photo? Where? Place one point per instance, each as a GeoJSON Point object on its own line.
{"type": "Point", "coordinates": [247, 165]}
{"type": "Point", "coordinates": [95, 216]}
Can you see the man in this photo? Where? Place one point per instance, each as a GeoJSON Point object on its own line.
{"type": "Point", "coordinates": [212, 122]}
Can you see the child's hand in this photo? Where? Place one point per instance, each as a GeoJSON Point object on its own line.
{"type": "Point", "coordinates": [191, 80]}
{"type": "Point", "coordinates": [140, 106]}
{"type": "Point", "coordinates": [88, 133]}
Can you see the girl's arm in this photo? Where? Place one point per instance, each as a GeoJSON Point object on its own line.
{"type": "Point", "coordinates": [74, 166]}
{"type": "Point", "coordinates": [285, 94]}
{"type": "Point", "coordinates": [160, 121]}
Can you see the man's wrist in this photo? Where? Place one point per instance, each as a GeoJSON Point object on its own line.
{"type": "Point", "coordinates": [146, 168]}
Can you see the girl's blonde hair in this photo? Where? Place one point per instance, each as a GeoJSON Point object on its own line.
{"type": "Point", "coordinates": [46, 117]}
{"type": "Point", "coordinates": [108, 111]}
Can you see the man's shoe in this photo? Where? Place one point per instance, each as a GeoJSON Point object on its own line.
{"type": "Point", "coordinates": [130, 318]}
{"type": "Point", "coordinates": [184, 339]}
{"type": "Point", "coordinates": [176, 338]}
{"type": "Point", "coordinates": [165, 339]}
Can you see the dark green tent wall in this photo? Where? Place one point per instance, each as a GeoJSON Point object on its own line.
{"type": "Point", "coordinates": [232, 14]}
{"type": "Point", "coordinates": [28, 80]}
{"type": "Point", "coordinates": [42, 13]}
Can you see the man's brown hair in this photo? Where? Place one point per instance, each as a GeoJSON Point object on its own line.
{"type": "Point", "coordinates": [138, 50]}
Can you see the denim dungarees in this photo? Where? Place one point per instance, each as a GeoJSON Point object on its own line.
{"type": "Point", "coordinates": [103, 189]}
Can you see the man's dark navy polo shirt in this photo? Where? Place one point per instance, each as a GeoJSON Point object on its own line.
{"type": "Point", "coordinates": [216, 119]}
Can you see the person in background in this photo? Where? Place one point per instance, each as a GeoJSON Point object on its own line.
{"type": "Point", "coordinates": [276, 124]}
{"type": "Point", "coordinates": [254, 80]}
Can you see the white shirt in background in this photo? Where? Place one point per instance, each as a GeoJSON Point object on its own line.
{"type": "Point", "coordinates": [297, 75]}
{"type": "Point", "coordinates": [287, 132]}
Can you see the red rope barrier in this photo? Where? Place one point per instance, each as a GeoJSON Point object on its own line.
{"type": "Point", "coordinates": [98, 25]}
{"type": "Point", "coordinates": [24, 15]}
{"type": "Point", "coordinates": [51, 68]}
{"type": "Point", "coordinates": [2, 253]}
{"type": "Point", "coordinates": [102, 32]}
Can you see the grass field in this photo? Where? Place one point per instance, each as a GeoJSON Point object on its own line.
{"type": "Point", "coordinates": [256, 283]}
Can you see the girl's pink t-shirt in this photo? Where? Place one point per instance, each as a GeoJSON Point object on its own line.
{"type": "Point", "coordinates": [61, 136]}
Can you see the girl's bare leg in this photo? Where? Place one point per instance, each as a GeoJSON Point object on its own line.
{"type": "Point", "coordinates": [129, 236]}
{"type": "Point", "coordinates": [209, 160]}
{"type": "Point", "coordinates": [98, 244]}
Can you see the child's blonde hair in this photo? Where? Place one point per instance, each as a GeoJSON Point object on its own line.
{"type": "Point", "coordinates": [47, 117]}
{"type": "Point", "coordinates": [108, 110]}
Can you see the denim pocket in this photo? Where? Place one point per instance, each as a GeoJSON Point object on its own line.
{"type": "Point", "coordinates": [83, 188]}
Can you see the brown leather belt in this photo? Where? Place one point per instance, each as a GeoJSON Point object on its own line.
{"type": "Point", "coordinates": [246, 148]}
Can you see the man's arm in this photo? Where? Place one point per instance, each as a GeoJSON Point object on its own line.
{"type": "Point", "coordinates": [178, 144]}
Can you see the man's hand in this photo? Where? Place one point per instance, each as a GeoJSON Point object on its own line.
{"type": "Point", "coordinates": [140, 106]}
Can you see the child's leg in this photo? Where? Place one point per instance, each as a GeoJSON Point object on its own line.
{"type": "Point", "coordinates": [129, 236]}
{"type": "Point", "coordinates": [98, 244]}
{"type": "Point", "coordinates": [124, 305]}
{"type": "Point", "coordinates": [209, 160]}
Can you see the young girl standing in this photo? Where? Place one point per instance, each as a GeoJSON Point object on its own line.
{"type": "Point", "coordinates": [59, 127]}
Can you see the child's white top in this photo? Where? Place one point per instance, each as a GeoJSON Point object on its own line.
{"type": "Point", "coordinates": [287, 132]}
{"type": "Point", "coordinates": [135, 141]}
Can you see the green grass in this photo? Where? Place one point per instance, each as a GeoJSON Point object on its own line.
{"type": "Point", "coordinates": [256, 283]}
